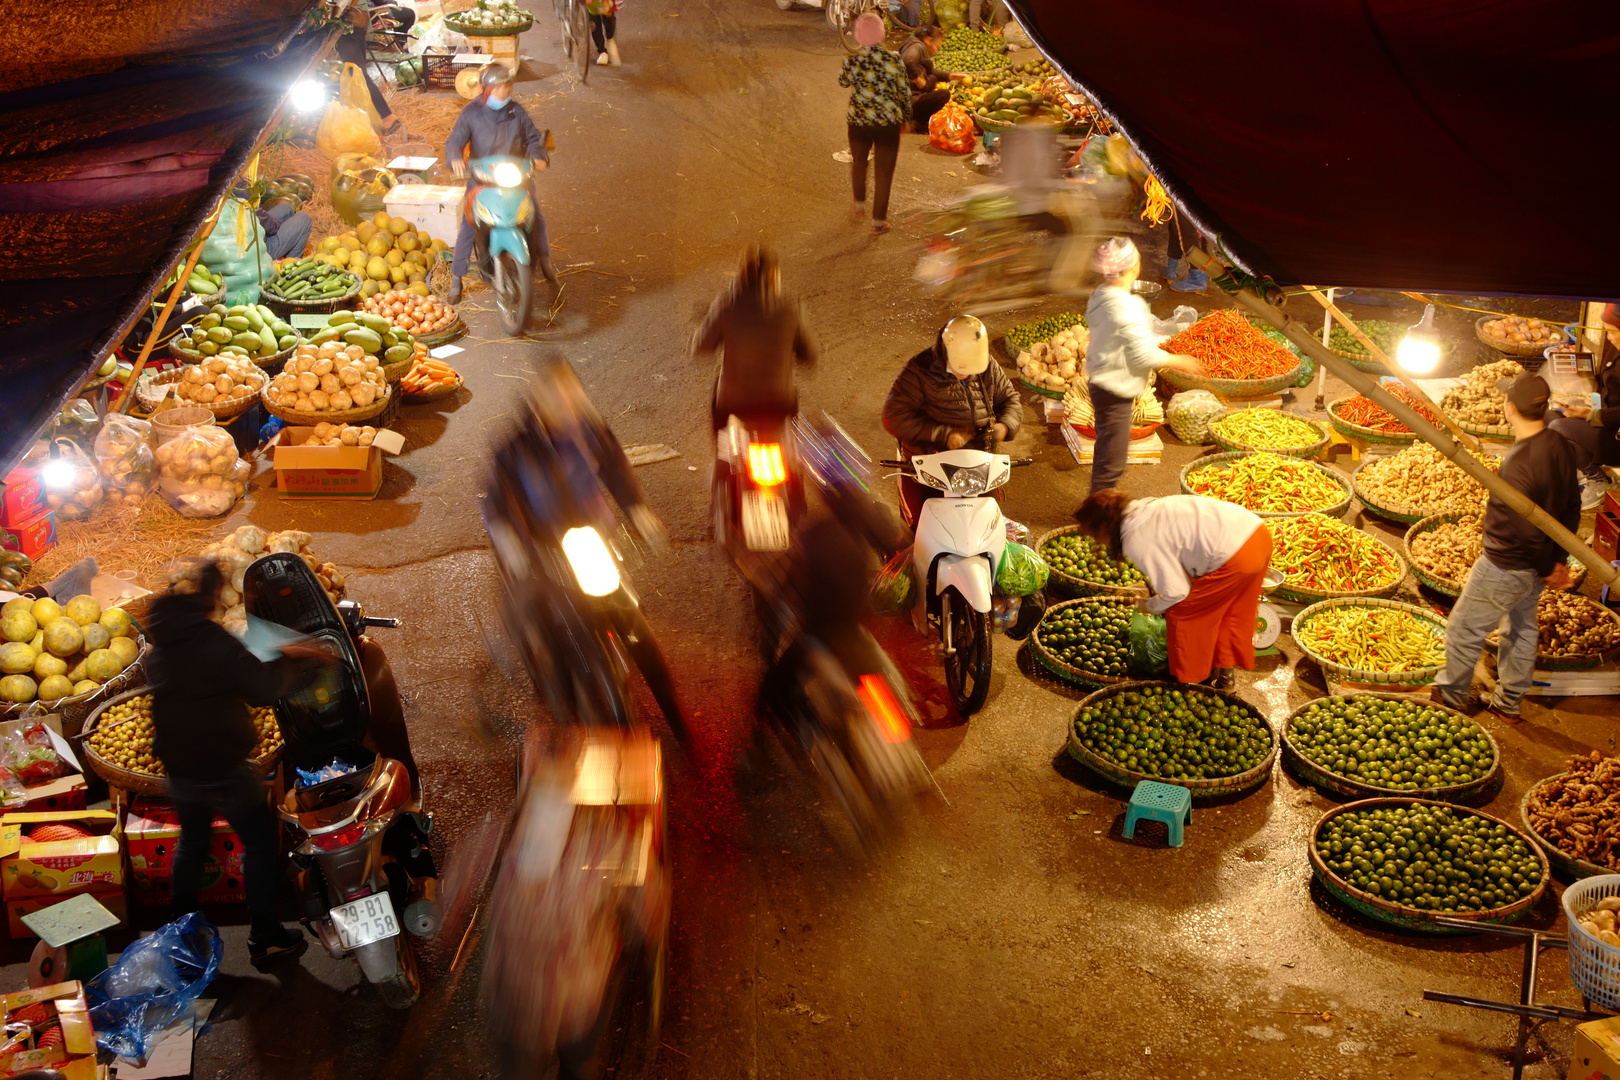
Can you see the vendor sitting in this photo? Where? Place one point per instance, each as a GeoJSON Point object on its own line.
{"type": "Point", "coordinates": [927, 98]}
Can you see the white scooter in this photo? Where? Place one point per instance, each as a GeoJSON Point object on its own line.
{"type": "Point", "coordinates": [958, 547]}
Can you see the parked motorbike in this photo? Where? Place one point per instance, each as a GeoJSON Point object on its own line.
{"type": "Point", "coordinates": [366, 876]}
{"type": "Point", "coordinates": [959, 541]}
{"type": "Point", "coordinates": [502, 208]}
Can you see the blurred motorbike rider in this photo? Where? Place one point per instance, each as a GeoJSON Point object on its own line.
{"type": "Point", "coordinates": [947, 397]}
{"type": "Point", "coordinates": [493, 125]}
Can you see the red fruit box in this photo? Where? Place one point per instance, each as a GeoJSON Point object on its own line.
{"type": "Point", "coordinates": [151, 834]}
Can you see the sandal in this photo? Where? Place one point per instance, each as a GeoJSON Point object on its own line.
{"type": "Point", "coordinates": [880, 227]}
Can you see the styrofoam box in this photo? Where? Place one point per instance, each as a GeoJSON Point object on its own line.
{"type": "Point", "coordinates": [433, 208]}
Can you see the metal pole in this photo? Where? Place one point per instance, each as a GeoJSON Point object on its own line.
{"type": "Point", "coordinates": [1449, 448]}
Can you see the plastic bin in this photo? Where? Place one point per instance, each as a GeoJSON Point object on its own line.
{"type": "Point", "coordinates": [1594, 967]}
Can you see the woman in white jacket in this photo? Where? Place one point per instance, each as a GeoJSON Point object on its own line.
{"type": "Point", "coordinates": [1205, 560]}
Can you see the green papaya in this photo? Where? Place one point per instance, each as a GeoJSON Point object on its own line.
{"type": "Point", "coordinates": [375, 323]}
{"type": "Point", "coordinates": [338, 318]}
{"type": "Point", "coordinates": [389, 339]}
{"type": "Point", "coordinates": [247, 341]}
{"type": "Point", "coordinates": [220, 335]}
{"type": "Point", "coordinates": [398, 354]}
{"type": "Point", "coordinates": [329, 334]}
{"type": "Point", "coordinates": [208, 322]}
{"type": "Point", "coordinates": [219, 309]}
{"type": "Point", "coordinates": [238, 323]}
{"type": "Point", "coordinates": [255, 323]}
{"type": "Point", "coordinates": [267, 315]}
{"type": "Point", "coordinates": [208, 348]}
{"type": "Point", "coordinates": [237, 349]}
{"type": "Point", "coordinates": [286, 341]}
{"type": "Point", "coordinates": [364, 338]}
{"type": "Point", "coordinates": [280, 328]}
{"type": "Point", "coordinates": [268, 340]}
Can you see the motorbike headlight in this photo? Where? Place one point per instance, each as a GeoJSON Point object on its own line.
{"type": "Point", "coordinates": [591, 561]}
{"type": "Point", "coordinates": [508, 174]}
{"type": "Point", "coordinates": [483, 213]}
{"type": "Point", "coordinates": [966, 483]}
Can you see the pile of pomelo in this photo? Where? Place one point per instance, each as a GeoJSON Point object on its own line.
{"type": "Point", "coordinates": [51, 651]}
{"type": "Point", "coordinates": [388, 253]}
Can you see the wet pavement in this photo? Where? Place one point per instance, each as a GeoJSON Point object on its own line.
{"type": "Point", "coordinates": [1011, 931]}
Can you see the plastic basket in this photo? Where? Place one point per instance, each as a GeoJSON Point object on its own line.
{"type": "Point", "coordinates": [1564, 864]}
{"type": "Point", "coordinates": [1339, 509]}
{"type": "Point", "coordinates": [1068, 584]}
{"type": "Point", "coordinates": [1234, 447]}
{"type": "Point", "coordinates": [1594, 967]}
{"type": "Point", "coordinates": [1414, 677]}
{"type": "Point", "coordinates": [1049, 661]}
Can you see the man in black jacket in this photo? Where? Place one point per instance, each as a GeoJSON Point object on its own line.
{"type": "Point", "coordinates": [203, 681]}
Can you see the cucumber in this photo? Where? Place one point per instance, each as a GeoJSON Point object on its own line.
{"type": "Point", "coordinates": [268, 340]}
{"type": "Point", "coordinates": [375, 323]}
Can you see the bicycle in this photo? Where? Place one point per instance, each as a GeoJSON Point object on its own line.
{"type": "Point", "coordinates": [576, 34]}
{"type": "Point", "coordinates": [841, 16]}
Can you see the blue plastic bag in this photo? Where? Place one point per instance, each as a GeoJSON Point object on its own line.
{"type": "Point", "coordinates": [153, 984]}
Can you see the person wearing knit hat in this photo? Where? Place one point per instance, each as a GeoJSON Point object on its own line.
{"type": "Point", "coordinates": [1596, 431]}
{"type": "Point", "coordinates": [879, 104]}
{"type": "Point", "coordinates": [1122, 354]}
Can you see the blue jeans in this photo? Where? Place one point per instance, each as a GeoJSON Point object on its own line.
{"type": "Point", "coordinates": [292, 233]}
{"type": "Point", "coordinates": [1489, 594]}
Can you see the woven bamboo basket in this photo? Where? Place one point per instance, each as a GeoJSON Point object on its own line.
{"type": "Point", "coordinates": [1198, 789]}
{"type": "Point", "coordinates": [1069, 585]}
{"type": "Point", "coordinates": [1325, 779]}
{"type": "Point", "coordinates": [1338, 509]}
{"type": "Point", "coordinates": [221, 410]}
{"type": "Point", "coordinates": [443, 337]}
{"type": "Point", "coordinates": [1569, 661]}
{"type": "Point", "coordinates": [1514, 348]}
{"type": "Point", "coordinates": [1235, 447]}
{"type": "Point", "coordinates": [138, 782]}
{"type": "Point", "coordinates": [1496, 432]}
{"type": "Point", "coordinates": [1362, 361]}
{"type": "Point", "coordinates": [1233, 388]}
{"type": "Point", "coordinates": [1565, 865]}
{"type": "Point", "coordinates": [1300, 594]}
{"type": "Point", "coordinates": [1453, 589]}
{"type": "Point", "coordinates": [288, 308]}
{"type": "Point", "coordinates": [1365, 434]}
{"type": "Point", "coordinates": [1420, 919]}
{"type": "Point", "coordinates": [272, 363]}
{"type": "Point", "coordinates": [397, 371]}
{"type": "Point", "coordinates": [488, 31]}
{"type": "Point", "coordinates": [1065, 671]}
{"type": "Point", "coordinates": [1043, 391]}
{"type": "Point", "coordinates": [1414, 677]}
{"type": "Point", "coordinates": [436, 394]}
{"type": "Point", "coordinates": [75, 710]}
{"type": "Point", "coordinates": [152, 390]}
{"type": "Point", "coordinates": [347, 416]}
{"type": "Point", "coordinates": [1403, 515]}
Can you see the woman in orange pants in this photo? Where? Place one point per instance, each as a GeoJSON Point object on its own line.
{"type": "Point", "coordinates": [1205, 560]}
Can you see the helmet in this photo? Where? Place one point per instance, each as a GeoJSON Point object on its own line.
{"type": "Point", "coordinates": [967, 346]}
{"type": "Point", "coordinates": [495, 74]}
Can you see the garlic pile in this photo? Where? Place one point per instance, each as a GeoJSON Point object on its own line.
{"type": "Point", "coordinates": [341, 435]}
{"type": "Point", "coordinates": [219, 380]}
{"type": "Point", "coordinates": [1077, 409]}
{"type": "Point", "coordinates": [1600, 921]}
{"type": "Point", "coordinates": [1057, 364]}
{"type": "Point", "coordinates": [329, 377]}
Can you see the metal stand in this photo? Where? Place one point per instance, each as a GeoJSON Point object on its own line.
{"type": "Point", "coordinates": [1528, 1010]}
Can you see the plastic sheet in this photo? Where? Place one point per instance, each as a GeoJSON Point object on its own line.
{"type": "Point", "coordinates": [345, 130]}
{"type": "Point", "coordinates": [201, 472]}
{"type": "Point", "coordinates": [895, 585]}
{"type": "Point", "coordinates": [1190, 413]}
{"type": "Point", "coordinates": [153, 985]}
{"type": "Point", "coordinates": [951, 129]}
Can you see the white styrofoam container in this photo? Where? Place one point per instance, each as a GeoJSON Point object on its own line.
{"type": "Point", "coordinates": [433, 208]}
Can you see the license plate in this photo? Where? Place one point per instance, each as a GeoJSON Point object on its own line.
{"type": "Point", "coordinates": [764, 521]}
{"type": "Point", "coordinates": [368, 919]}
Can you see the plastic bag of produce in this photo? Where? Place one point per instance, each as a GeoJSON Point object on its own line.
{"type": "Point", "coordinates": [153, 984]}
{"type": "Point", "coordinates": [200, 472]}
{"type": "Point", "coordinates": [1150, 646]}
{"type": "Point", "coordinates": [895, 585]}
{"type": "Point", "coordinates": [76, 421]}
{"type": "Point", "coordinates": [360, 196]}
{"type": "Point", "coordinates": [1179, 320]}
{"type": "Point", "coordinates": [951, 129]}
{"type": "Point", "coordinates": [346, 130]}
{"type": "Point", "coordinates": [353, 92]}
{"type": "Point", "coordinates": [1189, 414]}
{"type": "Point", "coordinates": [238, 252]}
{"type": "Point", "coordinates": [124, 458]}
{"type": "Point", "coordinates": [1022, 571]}
{"type": "Point", "coordinates": [76, 494]}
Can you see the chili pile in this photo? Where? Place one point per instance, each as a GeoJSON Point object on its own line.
{"type": "Point", "coordinates": [1230, 348]}
{"type": "Point", "coordinates": [1373, 639]}
{"type": "Point", "coordinates": [1326, 555]}
{"type": "Point", "coordinates": [1266, 429]}
{"type": "Point", "coordinates": [1364, 412]}
{"type": "Point", "coordinates": [1268, 484]}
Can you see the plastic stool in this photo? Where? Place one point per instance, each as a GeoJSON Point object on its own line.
{"type": "Point", "coordinates": [1159, 802]}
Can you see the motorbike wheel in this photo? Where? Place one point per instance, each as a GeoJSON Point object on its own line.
{"type": "Point", "coordinates": [401, 990]}
{"type": "Point", "coordinates": [514, 283]}
{"type": "Point", "coordinates": [967, 670]}
{"type": "Point", "coordinates": [840, 783]}
{"type": "Point", "coordinates": [583, 45]}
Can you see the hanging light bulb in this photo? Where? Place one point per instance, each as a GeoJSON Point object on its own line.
{"type": "Point", "coordinates": [307, 95]}
{"type": "Point", "coordinates": [1419, 351]}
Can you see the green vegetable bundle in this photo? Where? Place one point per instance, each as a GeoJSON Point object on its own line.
{"type": "Point", "coordinates": [250, 330]}
{"type": "Point", "coordinates": [1178, 734]}
{"type": "Point", "coordinates": [1400, 745]}
{"type": "Point", "coordinates": [309, 280]}
{"type": "Point", "coordinates": [1022, 336]}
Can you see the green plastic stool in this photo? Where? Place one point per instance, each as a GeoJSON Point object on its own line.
{"type": "Point", "coordinates": [1159, 802]}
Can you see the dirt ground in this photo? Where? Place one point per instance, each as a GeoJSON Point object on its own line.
{"type": "Point", "coordinates": [1012, 932]}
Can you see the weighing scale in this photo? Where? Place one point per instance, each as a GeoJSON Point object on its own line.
{"type": "Point", "coordinates": [1267, 620]}
{"type": "Point", "coordinates": [70, 942]}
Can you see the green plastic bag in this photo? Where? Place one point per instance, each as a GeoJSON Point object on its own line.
{"type": "Point", "coordinates": [1150, 646]}
{"type": "Point", "coordinates": [895, 585]}
{"type": "Point", "coordinates": [1021, 571]}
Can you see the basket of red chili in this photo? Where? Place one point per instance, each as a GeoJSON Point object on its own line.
{"type": "Point", "coordinates": [1322, 558]}
{"type": "Point", "coordinates": [1365, 419]}
{"type": "Point", "coordinates": [1238, 360]}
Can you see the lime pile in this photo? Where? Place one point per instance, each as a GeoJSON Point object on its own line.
{"type": "Point", "coordinates": [1084, 558]}
{"type": "Point", "coordinates": [1022, 336]}
{"type": "Point", "coordinates": [1094, 636]}
{"type": "Point", "coordinates": [1178, 734]}
{"type": "Point", "coordinates": [1438, 858]}
{"type": "Point", "coordinates": [1401, 745]}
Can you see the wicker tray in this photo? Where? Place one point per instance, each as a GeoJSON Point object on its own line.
{"type": "Point", "coordinates": [1563, 863]}
{"type": "Point", "coordinates": [74, 711]}
{"type": "Point", "coordinates": [1068, 672]}
{"type": "Point", "coordinates": [288, 308]}
{"type": "Point", "coordinates": [147, 389]}
{"type": "Point", "coordinates": [487, 31]}
{"type": "Point", "coordinates": [1235, 388]}
{"type": "Point", "coordinates": [1446, 586]}
{"type": "Point", "coordinates": [1232, 446]}
{"type": "Point", "coordinates": [1043, 391]}
{"type": "Point", "coordinates": [137, 782]}
{"type": "Point", "coordinates": [271, 363]}
{"type": "Point", "coordinates": [1111, 770]}
{"type": "Point", "coordinates": [435, 394]}
{"type": "Point", "coordinates": [1299, 594]}
{"type": "Point", "coordinates": [1572, 661]}
{"type": "Point", "coordinates": [1072, 586]}
{"type": "Point", "coordinates": [1365, 434]}
{"type": "Point", "coordinates": [309, 419]}
{"type": "Point", "coordinates": [1412, 918]}
{"type": "Point", "coordinates": [1339, 509]}
{"type": "Point", "coordinates": [1320, 776]}
{"type": "Point", "coordinates": [1496, 432]}
{"type": "Point", "coordinates": [443, 337]}
{"type": "Point", "coordinates": [1403, 515]}
{"type": "Point", "coordinates": [1514, 348]}
{"type": "Point", "coordinates": [1415, 677]}
{"type": "Point", "coordinates": [1362, 361]}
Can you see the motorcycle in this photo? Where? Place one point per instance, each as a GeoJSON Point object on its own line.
{"type": "Point", "coordinates": [758, 490]}
{"type": "Point", "coordinates": [366, 878]}
{"type": "Point", "coordinates": [959, 541]}
{"type": "Point", "coordinates": [502, 209]}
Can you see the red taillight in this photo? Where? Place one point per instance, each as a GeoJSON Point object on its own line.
{"type": "Point", "coordinates": [879, 700]}
{"type": "Point", "coordinates": [765, 464]}
{"type": "Point", "coordinates": [341, 839]}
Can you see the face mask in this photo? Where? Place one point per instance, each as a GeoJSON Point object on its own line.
{"type": "Point", "coordinates": [497, 102]}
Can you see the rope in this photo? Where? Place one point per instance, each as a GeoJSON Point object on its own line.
{"type": "Point", "coordinates": [1158, 209]}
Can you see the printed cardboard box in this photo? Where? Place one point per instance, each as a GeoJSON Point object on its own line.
{"type": "Point", "coordinates": [151, 834]}
{"type": "Point", "coordinates": [331, 472]}
{"type": "Point", "coordinates": [22, 496]}
{"type": "Point", "coordinates": [32, 536]}
{"type": "Point", "coordinates": [92, 864]}
{"type": "Point", "coordinates": [64, 1004]}
{"type": "Point", "coordinates": [63, 793]}
{"type": "Point", "coordinates": [1597, 1051]}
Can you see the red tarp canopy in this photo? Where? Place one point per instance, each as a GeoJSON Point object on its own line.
{"type": "Point", "coordinates": [1459, 146]}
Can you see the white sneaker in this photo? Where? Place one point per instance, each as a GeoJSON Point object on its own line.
{"type": "Point", "coordinates": [1594, 492]}
{"type": "Point", "coordinates": [602, 59]}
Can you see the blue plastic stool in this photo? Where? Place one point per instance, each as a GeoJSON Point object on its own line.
{"type": "Point", "coordinates": [1159, 802]}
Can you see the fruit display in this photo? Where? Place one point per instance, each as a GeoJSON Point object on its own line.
{"type": "Point", "coordinates": [14, 567]}
{"type": "Point", "coordinates": [1398, 745]}
{"type": "Point", "coordinates": [1023, 336]}
{"type": "Point", "coordinates": [1600, 921]}
{"type": "Point", "coordinates": [965, 38]}
{"type": "Point", "coordinates": [1266, 429]}
{"type": "Point", "coordinates": [1377, 639]}
{"type": "Point", "coordinates": [1177, 733]}
{"type": "Point", "coordinates": [330, 377]}
{"type": "Point", "coordinates": [1056, 364]}
{"type": "Point", "coordinates": [241, 549]}
{"type": "Point", "coordinates": [487, 15]}
{"type": "Point", "coordinates": [123, 735]}
{"type": "Point", "coordinates": [51, 651]}
{"type": "Point", "coordinates": [422, 315]}
{"type": "Point", "coordinates": [428, 376]}
{"type": "Point", "coordinates": [1422, 480]}
{"type": "Point", "coordinates": [374, 335]}
{"type": "Point", "coordinates": [1510, 329]}
{"type": "Point", "coordinates": [201, 282]}
{"type": "Point", "coordinates": [1077, 410]}
{"type": "Point", "coordinates": [1326, 555]}
{"type": "Point", "coordinates": [1229, 347]}
{"type": "Point", "coordinates": [388, 253]}
{"type": "Point", "coordinates": [994, 103]}
{"type": "Point", "coordinates": [250, 330]}
{"type": "Point", "coordinates": [1093, 636]}
{"type": "Point", "coordinates": [1038, 68]}
{"type": "Point", "coordinates": [1365, 412]}
{"type": "Point", "coordinates": [1268, 484]}
{"type": "Point", "coordinates": [308, 280]}
{"type": "Point", "coordinates": [1385, 335]}
{"type": "Point", "coordinates": [1571, 625]}
{"type": "Point", "coordinates": [1477, 402]}
{"type": "Point", "coordinates": [1082, 557]}
{"type": "Point", "coordinates": [200, 472]}
{"type": "Point", "coordinates": [1427, 856]}
{"type": "Point", "coordinates": [1579, 812]}
{"type": "Point", "coordinates": [219, 380]}
{"type": "Point", "coordinates": [970, 50]}
{"type": "Point", "coordinates": [1450, 549]}
{"type": "Point", "coordinates": [325, 434]}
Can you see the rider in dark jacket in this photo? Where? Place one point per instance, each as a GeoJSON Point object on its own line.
{"type": "Point", "coordinates": [761, 335]}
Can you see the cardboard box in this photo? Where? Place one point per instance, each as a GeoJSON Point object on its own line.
{"type": "Point", "coordinates": [94, 864]}
{"type": "Point", "coordinates": [116, 902]}
{"type": "Point", "coordinates": [1597, 1050]}
{"type": "Point", "coordinates": [151, 834]}
{"type": "Point", "coordinates": [65, 1005]}
{"type": "Point", "coordinates": [22, 496]}
{"type": "Point", "coordinates": [433, 208]}
{"type": "Point", "coordinates": [32, 536]}
{"type": "Point", "coordinates": [330, 472]}
{"type": "Point", "coordinates": [63, 793]}
{"type": "Point", "coordinates": [1606, 533]}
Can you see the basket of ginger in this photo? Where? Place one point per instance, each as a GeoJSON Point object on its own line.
{"type": "Point", "coordinates": [430, 380]}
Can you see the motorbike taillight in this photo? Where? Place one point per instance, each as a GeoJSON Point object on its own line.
{"type": "Point", "coordinates": [765, 466]}
{"type": "Point", "coordinates": [332, 841]}
{"type": "Point", "coordinates": [880, 702]}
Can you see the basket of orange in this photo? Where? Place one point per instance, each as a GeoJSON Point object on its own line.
{"type": "Point", "coordinates": [430, 380]}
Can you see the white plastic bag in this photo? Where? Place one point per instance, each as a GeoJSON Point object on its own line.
{"type": "Point", "coordinates": [1189, 415]}
{"type": "Point", "coordinates": [201, 473]}
{"type": "Point", "coordinates": [1179, 320]}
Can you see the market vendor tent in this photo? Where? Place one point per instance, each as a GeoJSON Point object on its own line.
{"type": "Point", "coordinates": [120, 126]}
{"type": "Point", "coordinates": [1439, 145]}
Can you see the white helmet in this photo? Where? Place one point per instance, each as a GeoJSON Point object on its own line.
{"type": "Point", "coordinates": [967, 346]}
